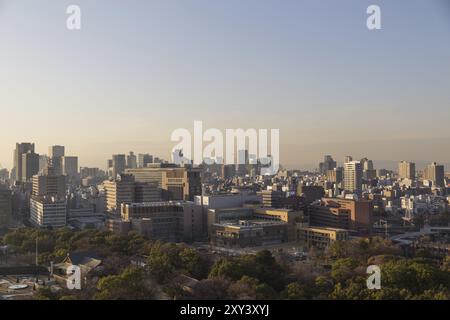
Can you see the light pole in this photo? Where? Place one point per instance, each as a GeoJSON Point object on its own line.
{"type": "Point", "coordinates": [37, 260]}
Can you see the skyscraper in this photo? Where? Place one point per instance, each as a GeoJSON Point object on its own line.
{"type": "Point", "coordinates": [335, 175]}
{"type": "Point", "coordinates": [5, 206]}
{"type": "Point", "coordinates": [407, 170]}
{"type": "Point", "coordinates": [327, 164]}
{"type": "Point", "coordinates": [118, 164]}
{"type": "Point", "coordinates": [353, 177]}
{"type": "Point", "coordinates": [55, 154]}
{"type": "Point", "coordinates": [56, 151]}
{"type": "Point", "coordinates": [144, 160]}
{"type": "Point", "coordinates": [21, 148]}
{"type": "Point", "coordinates": [30, 165]}
{"type": "Point", "coordinates": [368, 171]}
{"type": "Point", "coordinates": [131, 161]}
{"type": "Point", "coordinates": [435, 173]}
{"type": "Point", "coordinates": [70, 167]}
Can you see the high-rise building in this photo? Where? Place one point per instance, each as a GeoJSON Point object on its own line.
{"type": "Point", "coordinates": [366, 164]}
{"type": "Point", "coordinates": [131, 161]}
{"type": "Point", "coordinates": [243, 162]}
{"type": "Point", "coordinates": [49, 185]}
{"type": "Point", "coordinates": [56, 151]}
{"type": "Point", "coordinates": [369, 173]}
{"type": "Point", "coordinates": [117, 191]}
{"type": "Point", "coordinates": [353, 174]}
{"type": "Point", "coordinates": [125, 189]}
{"type": "Point", "coordinates": [144, 160]}
{"type": "Point", "coordinates": [176, 183]}
{"type": "Point", "coordinates": [348, 159]}
{"type": "Point", "coordinates": [435, 173]}
{"type": "Point", "coordinates": [48, 212]}
{"type": "Point", "coordinates": [70, 167]}
{"type": "Point", "coordinates": [118, 164]}
{"type": "Point", "coordinates": [21, 148]}
{"type": "Point", "coordinates": [30, 165]}
{"type": "Point", "coordinates": [5, 206]}
{"type": "Point", "coordinates": [43, 162]}
{"type": "Point", "coordinates": [335, 175]}
{"type": "Point", "coordinates": [327, 164]}
{"type": "Point", "coordinates": [89, 172]}
{"type": "Point", "coordinates": [407, 170]}
{"type": "Point", "coordinates": [56, 154]}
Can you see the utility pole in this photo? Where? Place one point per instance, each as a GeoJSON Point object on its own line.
{"type": "Point", "coordinates": [37, 236]}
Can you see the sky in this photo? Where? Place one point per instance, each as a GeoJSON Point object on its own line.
{"type": "Point", "coordinates": [139, 69]}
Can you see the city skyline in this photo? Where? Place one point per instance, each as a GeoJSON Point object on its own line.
{"type": "Point", "coordinates": [303, 67]}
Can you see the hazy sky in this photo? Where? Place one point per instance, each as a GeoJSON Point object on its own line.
{"type": "Point", "coordinates": [139, 69]}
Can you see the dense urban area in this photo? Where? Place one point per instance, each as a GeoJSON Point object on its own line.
{"type": "Point", "coordinates": [146, 228]}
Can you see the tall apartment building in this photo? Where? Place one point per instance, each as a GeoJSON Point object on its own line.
{"type": "Point", "coordinates": [176, 183]}
{"type": "Point", "coordinates": [407, 170]}
{"type": "Point", "coordinates": [353, 175]}
{"type": "Point", "coordinates": [435, 173]}
{"type": "Point", "coordinates": [125, 189]}
{"type": "Point", "coordinates": [5, 206]}
{"type": "Point", "coordinates": [49, 185]}
{"type": "Point", "coordinates": [21, 148]}
{"type": "Point", "coordinates": [48, 204]}
{"type": "Point", "coordinates": [48, 212]}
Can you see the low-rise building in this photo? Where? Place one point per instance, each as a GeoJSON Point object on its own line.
{"type": "Point", "coordinates": [249, 233]}
{"type": "Point", "coordinates": [320, 237]}
{"type": "Point", "coordinates": [173, 221]}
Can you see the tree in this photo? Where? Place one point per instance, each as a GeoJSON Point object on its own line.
{"type": "Point", "coordinates": [131, 284]}
{"type": "Point", "coordinates": [295, 291]}
{"type": "Point", "coordinates": [193, 263]}
{"type": "Point", "coordinates": [211, 289]}
{"type": "Point", "coordinates": [343, 269]}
